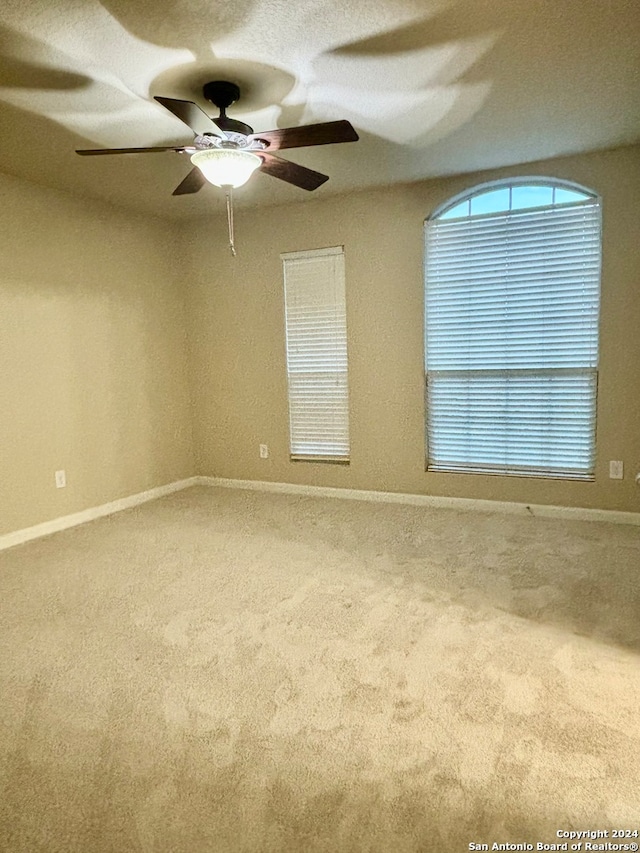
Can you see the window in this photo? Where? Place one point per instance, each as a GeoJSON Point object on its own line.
{"type": "Point", "coordinates": [512, 299]}
{"type": "Point", "coordinates": [316, 326]}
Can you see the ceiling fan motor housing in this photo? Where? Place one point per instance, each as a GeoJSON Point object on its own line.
{"type": "Point", "coordinates": [231, 125]}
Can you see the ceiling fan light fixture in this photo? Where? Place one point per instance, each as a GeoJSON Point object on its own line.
{"type": "Point", "coordinates": [226, 167]}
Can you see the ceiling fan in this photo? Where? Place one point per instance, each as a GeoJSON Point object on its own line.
{"type": "Point", "coordinates": [226, 152]}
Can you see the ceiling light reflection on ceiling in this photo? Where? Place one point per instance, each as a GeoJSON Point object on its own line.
{"type": "Point", "coordinates": [226, 167]}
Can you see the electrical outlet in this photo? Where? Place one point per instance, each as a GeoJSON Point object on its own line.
{"type": "Point", "coordinates": [616, 470]}
{"type": "Point", "coordinates": [61, 479]}
{"type": "Point", "coordinates": [264, 451]}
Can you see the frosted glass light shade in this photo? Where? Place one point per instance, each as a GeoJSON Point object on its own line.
{"type": "Point", "coordinates": [226, 167]}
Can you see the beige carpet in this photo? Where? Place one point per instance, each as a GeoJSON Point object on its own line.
{"type": "Point", "coordinates": [234, 671]}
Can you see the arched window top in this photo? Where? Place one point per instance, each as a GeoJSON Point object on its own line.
{"type": "Point", "coordinates": [511, 195]}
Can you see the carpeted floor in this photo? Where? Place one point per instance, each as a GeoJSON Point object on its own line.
{"type": "Point", "coordinates": [235, 672]}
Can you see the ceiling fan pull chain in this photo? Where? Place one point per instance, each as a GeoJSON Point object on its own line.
{"type": "Point", "coordinates": [228, 192]}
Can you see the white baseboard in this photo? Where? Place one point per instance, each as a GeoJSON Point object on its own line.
{"type": "Point", "coordinates": [17, 537]}
{"type": "Point", "coordinates": [538, 510]}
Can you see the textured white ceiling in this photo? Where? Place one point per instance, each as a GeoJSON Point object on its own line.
{"type": "Point", "coordinates": [432, 88]}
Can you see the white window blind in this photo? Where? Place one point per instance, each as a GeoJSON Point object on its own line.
{"type": "Point", "coordinates": [316, 327]}
{"type": "Point", "coordinates": [512, 303]}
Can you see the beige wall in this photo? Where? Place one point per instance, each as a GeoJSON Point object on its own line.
{"type": "Point", "coordinates": [93, 371]}
{"type": "Point", "coordinates": [92, 355]}
{"type": "Point", "coordinates": [235, 318]}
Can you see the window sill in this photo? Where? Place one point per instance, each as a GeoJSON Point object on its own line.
{"type": "Point", "coordinates": [497, 472]}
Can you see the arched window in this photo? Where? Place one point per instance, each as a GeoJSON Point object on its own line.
{"type": "Point", "coordinates": [512, 273]}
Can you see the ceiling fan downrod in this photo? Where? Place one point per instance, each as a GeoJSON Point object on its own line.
{"type": "Point", "coordinates": [222, 94]}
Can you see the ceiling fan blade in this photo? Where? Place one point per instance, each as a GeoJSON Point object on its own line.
{"type": "Point", "coordinates": [191, 115]}
{"type": "Point", "coordinates": [326, 133]}
{"type": "Point", "coordinates": [194, 181]}
{"type": "Point", "coordinates": [290, 172]}
{"type": "Point", "coordinates": [86, 152]}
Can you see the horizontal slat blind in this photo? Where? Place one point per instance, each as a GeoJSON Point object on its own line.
{"type": "Point", "coordinates": [316, 326]}
{"type": "Point", "coordinates": [512, 303]}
